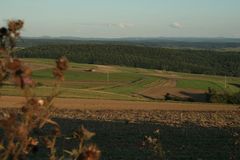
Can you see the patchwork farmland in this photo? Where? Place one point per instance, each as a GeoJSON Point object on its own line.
{"type": "Point", "coordinates": [123, 105]}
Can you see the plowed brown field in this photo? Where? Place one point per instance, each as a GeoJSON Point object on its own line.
{"type": "Point", "coordinates": [169, 86]}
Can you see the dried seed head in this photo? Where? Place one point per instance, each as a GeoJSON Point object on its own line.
{"type": "Point", "coordinates": [57, 73]}
{"type": "Point", "coordinates": [35, 102]}
{"type": "Point", "coordinates": [15, 25]}
{"type": "Point", "coordinates": [41, 102]}
{"type": "Point", "coordinates": [12, 35]}
{"type": "Point", "coordinates": [21, 74]}
{"type": "Point", "coordinates": [90, 153]}
{"type": "Point", "coordinates": [23, 81]}
{"type": "Point", "coordinates": [33, 141]}
{"type": "Point", "coordinates": [22, 77]}
{"type": "Point", "coordinates": [13, 64]}
{"type": "Point", "coordinates": [62, 63]}
{"type": "Point", "coordinates": [83, 134]}
{"type": "Point", "coordinates": [87, 134]}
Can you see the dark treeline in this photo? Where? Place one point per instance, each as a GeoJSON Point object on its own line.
{"type": "Point", "coordinates": [180, 60]}
{"type": "Point", "coordinates": [196, 43]}
{"type": "Point", "coordinates": [214, 97]}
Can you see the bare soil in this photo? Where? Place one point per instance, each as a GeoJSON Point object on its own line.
{"type": "Point", "coordinates": [169, 86]}
{"type": "Point", "coordinates": [95, 104]}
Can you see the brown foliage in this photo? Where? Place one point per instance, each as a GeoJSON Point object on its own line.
{"type": "Point", "coordinates": [18, 140]}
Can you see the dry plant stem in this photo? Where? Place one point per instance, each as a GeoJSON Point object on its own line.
{"type": "Point", "coordinates": [19, 150]}
{"type": "Point", "coordinates": [52, 149]}
{"type": "Point", "coordinates": [36, 112]}
{"type": "Point", "coordinates": [28, 93]}
{"type": "Point", "coordinates": [55, 89]}
{"type": "Point", "coordinates": [80, 149]}
{"type": "Point", "coordinates": [8, 150]}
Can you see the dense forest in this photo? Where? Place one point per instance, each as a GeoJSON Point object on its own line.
{"type": "Point", "coordinates": [180, 60]}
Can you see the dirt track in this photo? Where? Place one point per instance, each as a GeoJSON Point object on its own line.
{"type": "Point", "coordinates": [94, 104]}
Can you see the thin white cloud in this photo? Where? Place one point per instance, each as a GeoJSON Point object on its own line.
{"type": "Point", "coordinates": [121, 25]}
{"type": "Point", "coordinates": [176, 25]}
{"type": "Point", "coordinates": [111, 25]}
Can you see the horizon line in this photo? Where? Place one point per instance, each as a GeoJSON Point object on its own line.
{"type": "Point", "coordinates": [134, 37]}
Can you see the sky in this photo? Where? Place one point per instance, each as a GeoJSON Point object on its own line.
{"type": "Point", "coordinates": [125, 18]}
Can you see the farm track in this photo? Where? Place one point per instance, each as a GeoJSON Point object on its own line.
{"type": "Point", "coordinates": [95, 104]}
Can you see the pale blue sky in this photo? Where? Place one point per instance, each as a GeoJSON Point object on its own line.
{"type": "Point", "coordinates": [125, 18]}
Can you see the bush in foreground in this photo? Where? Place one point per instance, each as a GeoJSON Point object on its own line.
{"type": "Point", "coordinates": [23, 133]}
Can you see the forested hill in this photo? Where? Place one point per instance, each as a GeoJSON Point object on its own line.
{"type": "Point", "coordinates": [181, 60]}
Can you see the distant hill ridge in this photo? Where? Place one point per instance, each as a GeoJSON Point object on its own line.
{"type": "Point", "coordinates": [170, 42]}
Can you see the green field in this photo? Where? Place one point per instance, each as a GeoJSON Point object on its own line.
{"type": "Point", "coordinates": [115, 82]}
{"type": "Point", "coordinates": [199, 84]}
